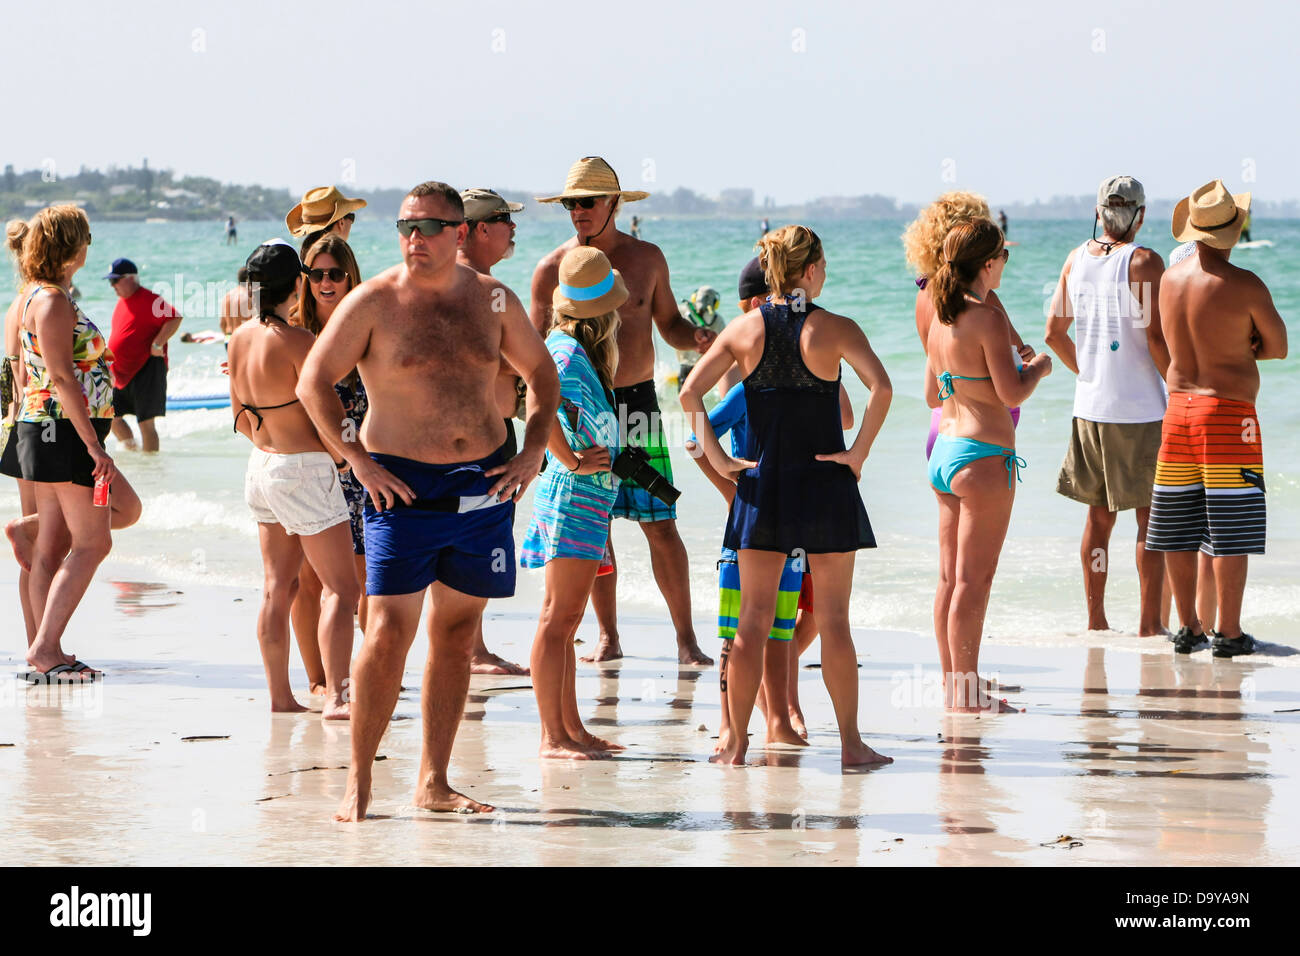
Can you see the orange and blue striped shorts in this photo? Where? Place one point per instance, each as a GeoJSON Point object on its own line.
{"type": "Point", "coordinates": [1209, 488]}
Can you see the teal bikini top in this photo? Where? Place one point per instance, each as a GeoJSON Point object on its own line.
{"type": "Point", "coordinates": [945, 382]}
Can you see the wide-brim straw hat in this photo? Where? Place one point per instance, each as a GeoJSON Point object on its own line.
{"type": "Point", "coordinates": [1211, 215]}
{"type": "Point", "coordinates": [589, 285]}
{"type": "Point", "coordinates": [320, 208]}
{"type": "Point", "coordinates": [592, 176]}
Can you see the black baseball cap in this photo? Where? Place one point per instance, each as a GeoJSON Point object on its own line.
{"type": "Point", "coordinates": [752, 280]}
{"type": "Point", "coordinates": [274, 263]}
{"type": "Point", "coordinates": [122, 267]}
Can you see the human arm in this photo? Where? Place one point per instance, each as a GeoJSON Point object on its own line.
{"type": "Point", "coordinates": [1026, 352]}
{"type": "Point", "coordinates": [675, 330]}
{"type": "Point", "coordinates": [173, 322]}
{"type": "Point", "coordinates": [524, 349]}
{"type": "Point", "coordinates": [1059, 321]}
{"type": "Point", "coordinates": [1144, 273]}
{"type": "Point", "coordinates": [1270, 330]}
{"type": "Point", "coordinates": [343, 343]}
{"type": "Point", "coordinates": [735, 341]}
{"type": "Point", "coordinates": [586, 461]}
{"type": "Point", "coordinates": [857, 351]}
{"type": "Point", "coordinates": [1012, 385]}
{"type": "Point", "coordinates": [546, 278]}
{"type": "Point", "coordinates": [54, 319]}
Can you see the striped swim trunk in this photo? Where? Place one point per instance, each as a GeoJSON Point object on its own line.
{"type": "Point", "coordinates": [1209, 489]}
{"type": "Point", "coordinates": [787, 597]}
{"type": "Point", "coordinates": [640, 420]}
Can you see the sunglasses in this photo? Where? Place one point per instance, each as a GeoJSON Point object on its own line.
{"type": "Point", "coordinates": [499, 217]}
{"type": "Point", "coordinates": [335, 274]}
{"type": "Point", "coordinates": [586, 202]}
{"type": "Point", "coordinates": [426, 227]}
{"type": "Point", "coordinates": [350, 217]}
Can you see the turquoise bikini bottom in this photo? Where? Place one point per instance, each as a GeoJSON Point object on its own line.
{"type": "Point", "coordinates": [951, 455]}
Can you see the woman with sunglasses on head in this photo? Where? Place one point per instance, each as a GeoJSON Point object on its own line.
{"type": "Point", "coordinates": [292, 485]}
{"type": "Point", "coordinates": [332, 273]}
{"type": "Point", "coordinates": [65, 413]}
{"type": "Point", "coordinates": [971, 375]}
{"type": "Point", "coordinates": [800, 496]}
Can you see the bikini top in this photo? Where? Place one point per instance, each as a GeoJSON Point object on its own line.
{"type": "Point", "coordinates": [256, 411]}
{"type": "Point", "coordinates": [946, 387]}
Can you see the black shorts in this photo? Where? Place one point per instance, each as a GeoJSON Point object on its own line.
{"type": "Point", "coordinates": [53, 451]}
{"type": "Point", "coordinates": [145, 396]}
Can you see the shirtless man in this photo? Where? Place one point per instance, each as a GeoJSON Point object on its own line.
{"type": "Point", "coordinates": [427, 337]}
{"type": "Point", "coordinates": [592, 195]}
{"type": "Point", "coordinates": [490, 237]}
{"type": "Point", "coordinates": [1219, 321]}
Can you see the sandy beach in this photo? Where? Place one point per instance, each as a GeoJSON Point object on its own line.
{"type": "Point", "coordinates": [1134, 754]}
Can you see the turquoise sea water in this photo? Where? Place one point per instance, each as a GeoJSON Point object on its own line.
{"type": "Point", "coordinates": [196, 527]}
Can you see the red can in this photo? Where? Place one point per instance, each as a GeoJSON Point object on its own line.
{"type": "Point", "coordinates": [101, 493]}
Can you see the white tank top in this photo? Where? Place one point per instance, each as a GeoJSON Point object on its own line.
{"type": "Point", "coordinates": [1118, 380]}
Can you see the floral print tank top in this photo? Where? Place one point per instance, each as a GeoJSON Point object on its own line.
{"type": "Point", "coordinates": [90, 358]}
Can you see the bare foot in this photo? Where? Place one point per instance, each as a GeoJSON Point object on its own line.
{"type": "Point", "coordinates": [590, 740]}
{"type": "Point", "coordinates": [784, 734]}
{"type": "Point", "coordinates": [21, 540]}
{"type": "Point", "coordinates": [607, 649]}
{"type": "Point", "coordinates": [443, 799]}
{"type": "Point", "coordinates": [355, 800]}
{"type": "Point", "coordinates": [495, 664]}
{"type": "Point", "coordinates": [690, 653]}
{"type": "Point", "coordinates": [860, 755]}
{"type": "Point", "coordinates": [731, 756]}
{"type": "Point", "coordinates": [336, 710]}
{"type": "Point", "coordinates": [1098, 624]}
{"type": "Point", "coordinates": [568, 750]}
{"type": "Point", "coordinates": [317, 690]}
{"type": "Point", "coordinates": [290, 706]}
{"type": "Point", "coordinates": [797, 722]}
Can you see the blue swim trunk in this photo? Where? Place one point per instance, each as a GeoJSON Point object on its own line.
{"type": "Point", "coordinates": [454, 532]}
{"type": "Point", "coordinates": [787, 597]}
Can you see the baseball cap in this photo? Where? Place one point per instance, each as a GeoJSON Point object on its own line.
{"type": "Point", "coordinates": [1121, 191]}
{"type": "Point", "coordinates": [273, 263]}
{"type": "Point", "coordinates": [752, 280]}
{"type": "Point", "coordinates": [122, 267]}
{"type": "Point", "coordinates": [483, 203]}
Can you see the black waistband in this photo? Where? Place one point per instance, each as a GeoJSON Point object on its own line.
{"type": "Point", "coordinates": [640, 397]}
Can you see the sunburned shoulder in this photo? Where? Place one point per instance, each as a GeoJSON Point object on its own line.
{"type": "Point", "coordinates": [552, 259]}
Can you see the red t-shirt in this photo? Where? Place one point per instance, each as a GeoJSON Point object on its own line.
{"type": "Point", "coordinates": [136, 321]}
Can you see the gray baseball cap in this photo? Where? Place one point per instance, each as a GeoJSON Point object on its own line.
{"type": "Point", "coordinates": [484, 203]}
{"type": "Point", "coordinates": [1121, 191]}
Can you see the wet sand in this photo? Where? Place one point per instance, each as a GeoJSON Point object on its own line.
{"type": "Point", "coordinates": [1138, 756]}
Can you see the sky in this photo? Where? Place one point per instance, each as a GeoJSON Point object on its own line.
{"type": "Point", "coordinates": [1016, 100]}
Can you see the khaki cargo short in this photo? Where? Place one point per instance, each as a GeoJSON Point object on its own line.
{"type": "Point", "coordinates": [1111, 465]}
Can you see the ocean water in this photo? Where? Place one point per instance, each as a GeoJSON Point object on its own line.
{"type": "Point", "coordinates": [196, 528]}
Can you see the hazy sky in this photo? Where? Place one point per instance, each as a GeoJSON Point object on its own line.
{"type": "Point", "coordinates": [1018, 100]}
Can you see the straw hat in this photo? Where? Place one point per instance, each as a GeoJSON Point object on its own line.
{"type": "Point", "coordinates": [1211, 215]}
{"type": "Point", "coordinates": [320, 208]}
{"type": "Point", "coordinates": [592, 176]}
{"type": "Point", "coordinates": [589, 286]}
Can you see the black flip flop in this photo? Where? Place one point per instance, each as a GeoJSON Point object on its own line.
{"type": "Point", "coordinates": [53, 675]}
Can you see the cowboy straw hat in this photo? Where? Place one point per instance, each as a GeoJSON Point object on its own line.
{"type": "Point", "coordinates": [589, 285]}
{"type": "Point", "coordinates": [1211, 215]}
{"type": "Point", "coordinates": [320, 208]}
{"type": "Point", "coordinates": [592, 176]}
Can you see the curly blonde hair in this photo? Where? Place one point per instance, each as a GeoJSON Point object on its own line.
{"type": "Point", "coordinates": [923, 238]}
{"type": "Point", "coordinates": [45, 244]}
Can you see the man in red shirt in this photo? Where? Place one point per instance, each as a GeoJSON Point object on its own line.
{"type": "Point", "coordinates": [142, 324]}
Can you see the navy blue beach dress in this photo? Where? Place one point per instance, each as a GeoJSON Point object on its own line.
{"type": "Point", "coordinates": [792, 500]}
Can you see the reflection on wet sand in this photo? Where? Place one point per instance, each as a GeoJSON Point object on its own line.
{"type": "Point", "coordinates": [136, 597]}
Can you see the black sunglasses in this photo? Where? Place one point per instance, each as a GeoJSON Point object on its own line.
{"type": "Point", "coordinates": [350, 217]}
{"type": "Point", "coordinates": [499, 217]}
{"type": "Point", "coordinates": [318, 275]}
{"type": "Point", "coordinates": [426, 227]}
{"type": "Point", "coordinates": [586, 202]}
